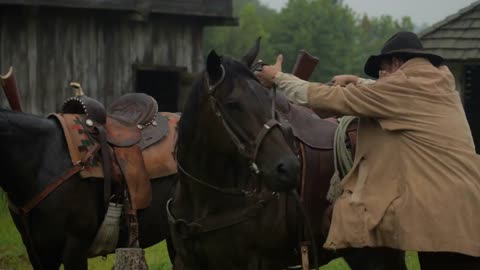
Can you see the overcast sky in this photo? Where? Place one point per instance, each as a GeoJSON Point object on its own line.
{"type": "Point", "coordinates": [421, 11]}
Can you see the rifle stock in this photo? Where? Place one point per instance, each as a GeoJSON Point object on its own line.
{"type": "Point", "coordinates": [303, 69]}
{"type": "Point", "coordinates": [9, 86]}
{"type": "Point", "coordinates": [304, 65]}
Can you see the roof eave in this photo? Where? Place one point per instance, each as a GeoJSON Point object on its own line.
{"type": "Point", "coordinates": [448, 19]}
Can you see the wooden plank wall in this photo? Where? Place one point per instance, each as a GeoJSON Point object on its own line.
{"type": "Point", "coordinates": [221, 8]}
{"type": "Point", "coordinates": [49, 47]}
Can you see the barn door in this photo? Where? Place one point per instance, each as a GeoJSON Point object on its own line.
{"type": "Point", "coordinates": [162, 83]}
{"type": "Point", "coordinates": [472, 101]}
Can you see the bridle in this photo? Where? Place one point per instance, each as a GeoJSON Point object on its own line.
{"type": "Point", "coordinates": [247, 150]}
{"type": "Point", "coordinates": [259, 199]}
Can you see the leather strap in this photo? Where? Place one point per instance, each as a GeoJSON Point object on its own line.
{"type": "Point", "coordinates": [217, 222]}
{"type": "Point", "coordinates": [32, 203]}
{"type": "Point", "coordinates": [107, 165]}
{"type": "Point", "coordinates": [261, 135]}
{"type": "Point", "coordinates": [130, 161]}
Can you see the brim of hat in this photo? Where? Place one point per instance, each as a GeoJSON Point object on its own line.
{"type": "Point", "coordinates": [372, 66]}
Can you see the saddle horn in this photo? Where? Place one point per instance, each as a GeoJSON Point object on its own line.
{"type": "Point", "coordinates": [82, 104]}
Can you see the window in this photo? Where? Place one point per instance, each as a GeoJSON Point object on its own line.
{"type": "Point", "coordinates": [161, 84]}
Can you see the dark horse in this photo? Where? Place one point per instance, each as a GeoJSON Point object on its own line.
{"type": "Point", "coordinates": [232, 158]}
{"type": "Point", "coordinates": [62, 227]}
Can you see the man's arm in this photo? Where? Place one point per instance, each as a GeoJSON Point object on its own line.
{"type": "Point", "coordinates": [357, 100]}
{"type": "Point", "coordinates": [297, 89]}
{"type": "Point", "coordinates": [294, 88]}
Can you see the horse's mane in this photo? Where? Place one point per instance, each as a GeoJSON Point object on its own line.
{"type": "Point", "coordinates": [193, 103]}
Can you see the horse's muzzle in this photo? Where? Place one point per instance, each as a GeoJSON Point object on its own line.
{"type": "Point", "coordinates": [286, 174]}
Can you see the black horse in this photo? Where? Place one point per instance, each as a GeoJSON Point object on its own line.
{"type": "Point", "coordinates": [62, 227]}
{"type": "Point", "coordinates": [233, 156]}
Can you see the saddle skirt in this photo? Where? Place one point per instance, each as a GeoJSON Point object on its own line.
{"type": "Point", "coordinates": [158, 157]}
{"type": "Point", "coordinates": [307, 126]}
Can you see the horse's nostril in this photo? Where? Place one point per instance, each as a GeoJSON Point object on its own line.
{"type": "Point", "coordinates": [288, 167]}
{"type": "Point", "coordinates": [281, 168]}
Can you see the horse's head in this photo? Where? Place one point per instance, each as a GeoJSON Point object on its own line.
{"type": "Point", "coordinates": [237, 110]}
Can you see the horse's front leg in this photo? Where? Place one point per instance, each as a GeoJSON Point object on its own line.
{"type": "Point", "coordinates": [75, 254]}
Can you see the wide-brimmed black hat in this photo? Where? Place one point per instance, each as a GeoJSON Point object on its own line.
{"type": "Point", "coordinates": [402, 43]}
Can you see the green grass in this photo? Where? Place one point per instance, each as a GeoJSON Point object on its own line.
{"type": "Point", "coordinates": [13, 254]}
{"type": "Point", "coordinates": [157, 259]}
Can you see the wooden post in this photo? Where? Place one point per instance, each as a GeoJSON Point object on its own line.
{"type": "Point", "coordinates": [130, 259]}
{"type": "Point", "coordinates": [305, 262]}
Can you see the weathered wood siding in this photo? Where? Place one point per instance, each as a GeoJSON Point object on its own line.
{"type": "Point", "coordinates": [213, 8]}
{"type": "Point", "coordinates": [49, 47]}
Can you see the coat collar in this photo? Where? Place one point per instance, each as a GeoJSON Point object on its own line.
{"type": "Point", "coordinates": [418, 61]}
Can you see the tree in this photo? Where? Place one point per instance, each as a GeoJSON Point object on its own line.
{"type": "Point", "coordinates": [372, 34]}
{"type": "Point", "coordinates": [254, 21]}
{"type": "Point", "coordinates": [324, 28]}
{"type": "Point", "coordinates": [328, 29]}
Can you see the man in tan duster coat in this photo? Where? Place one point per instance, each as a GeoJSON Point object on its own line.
{"type": "Point", "coordinates": [415, 182]}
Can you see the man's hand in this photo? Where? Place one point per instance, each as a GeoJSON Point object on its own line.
{"type": "Point", "coordinates": [267, 75]}
{"type": "Point", "coordinates": [343, 80]}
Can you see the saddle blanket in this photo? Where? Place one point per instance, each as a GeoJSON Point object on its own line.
{"type": "Point", "coordinates": [158, 157]}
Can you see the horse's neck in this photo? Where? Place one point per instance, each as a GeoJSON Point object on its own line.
{"type": "Point", "coordinates": [33, 150]}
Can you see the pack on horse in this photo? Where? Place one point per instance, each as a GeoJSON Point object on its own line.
{"type": "Point", "coordinates": [240, 152]}
{"type": "Point", "coordinates": [57, 196]}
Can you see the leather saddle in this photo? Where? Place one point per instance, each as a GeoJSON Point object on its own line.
{"type": "Point", "coordinates": [128, 126]}
{"type": "Point", "coordinates": [129, 120]}
{"type": "Point", "coordinates": [316, 144]}
{"type": "Point", "coordinates": [307, 126]}
{"type": "Point", "coordinates": [134, 119]}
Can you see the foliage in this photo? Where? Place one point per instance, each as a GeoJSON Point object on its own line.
{"type": "Point", "coordinates": [373, 32]}
{"type": "Point", "coordinates": [254, 21]}
{"type": "Point", "coordinates": [323, 28]}
{"type": "Point", "coordinates": [328, 29]}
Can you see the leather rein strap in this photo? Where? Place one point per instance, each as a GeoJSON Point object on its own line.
{"type": "Point", "coordinates": [220, 221]}
{"type": "Point", "coordinates": [33, 202]}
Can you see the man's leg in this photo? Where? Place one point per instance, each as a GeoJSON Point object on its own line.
{"type": "Point", "coordinates": [447, 261]}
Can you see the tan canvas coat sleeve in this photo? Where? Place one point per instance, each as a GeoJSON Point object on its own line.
{"type": "Point", "coordinates": [415, 182]}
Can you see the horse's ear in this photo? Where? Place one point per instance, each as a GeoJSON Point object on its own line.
{"type": "Point", "coordinates": [214, 69]}
{"type": "Point", "coordinates": [251, 55]}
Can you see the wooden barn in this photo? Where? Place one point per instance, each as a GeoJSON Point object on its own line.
{"type": "Point", "coordinates": [111, 47]}
{"type": "Point", "coordinates": [457, 39]}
